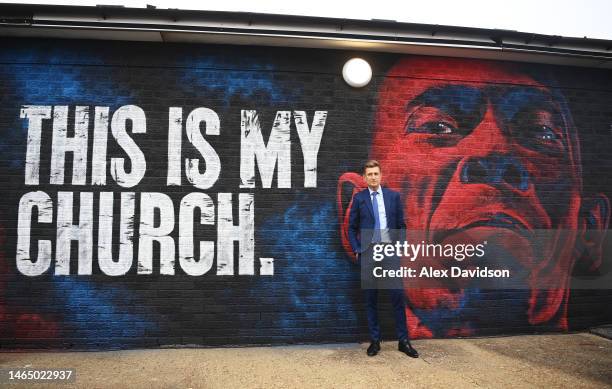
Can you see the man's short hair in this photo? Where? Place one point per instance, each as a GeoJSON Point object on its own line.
{"type": "Point", "coordinates": [370, 163]}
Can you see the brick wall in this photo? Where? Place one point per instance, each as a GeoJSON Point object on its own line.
{"type": "Point", "coordinates": [158, 194]}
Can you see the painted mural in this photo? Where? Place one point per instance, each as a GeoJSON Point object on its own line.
{"type": "Point", "coordinates": [474, 145]}
{"type": "Point", "coordinates": [202, 196]}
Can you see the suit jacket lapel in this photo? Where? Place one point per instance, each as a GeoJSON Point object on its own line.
{"type": "Point", "coordinates": [366, 194]}
{"type": "Point", "coordinates": [387, 201]}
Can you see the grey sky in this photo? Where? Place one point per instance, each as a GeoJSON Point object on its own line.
{"type": "Point", "coordinates": [590, 18]}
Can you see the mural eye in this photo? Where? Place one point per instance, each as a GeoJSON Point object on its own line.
{"type": "Point", "coordinates": [540, 130]}
{"type": "Point", "coordinates": [433, 126]}
{"type": "Point", "coordinates": [546, 134]}
{"type": "Point", "coordinates": [542, 138]}
{"type": "Point", "coordinates": [442, 128]}
{"type": "Point", "coordinates": [436, 128]}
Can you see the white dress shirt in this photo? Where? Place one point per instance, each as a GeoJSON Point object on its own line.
{"type": "Point", "coordinates": [382, 214]}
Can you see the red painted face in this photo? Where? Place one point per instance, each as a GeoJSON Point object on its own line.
{"type": "Point", "coordinates": [475, 145]}
{"type": "Point", "coordinates": [465, 141]}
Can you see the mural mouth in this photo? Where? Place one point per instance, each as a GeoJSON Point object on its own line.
{"type": "Point", "coordinates": [502, 220]}
{"type": "Point", "coordinates": [492, 223]}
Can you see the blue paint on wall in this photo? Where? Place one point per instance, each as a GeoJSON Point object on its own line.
{"type": "Point", "coordinates": [308, 267]}
{"type": "Point", "coordinates": [441, 318]}
{"type": "Point", "coordinates": [217, 80]}
{"type": "Point", "coordinates": [98, 312]}
{"type": "Point", "coordinates": [36, 78]}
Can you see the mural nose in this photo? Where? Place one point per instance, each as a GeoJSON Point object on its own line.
{"type": "Point", "coordinates": [495, 170]}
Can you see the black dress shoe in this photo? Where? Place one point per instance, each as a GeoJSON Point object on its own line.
{"type": "Point", "coordinates": [373, 349]}
{"type": "Point", "coordinates": [405, 347]}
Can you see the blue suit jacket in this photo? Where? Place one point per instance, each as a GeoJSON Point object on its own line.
{"type": "Point", "coordinates": [361, 219]}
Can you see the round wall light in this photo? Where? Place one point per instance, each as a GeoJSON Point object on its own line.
{"type": "Point", "coordinates": [357, 72]}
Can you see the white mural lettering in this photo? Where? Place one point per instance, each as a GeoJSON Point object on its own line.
{"type": "Point", "coordinates": [150, 203]}
{"type": "Point", "coordinates": [228, 233]}
{"type": "Point", "coordinates": [41, 201]}
{"type": "Point", "coordinates": [138, 163]}
{"type": "Point", "coordinates": [310, 140]}
{"type": "Point", "coordinates": [62, 144]}
{"type": "Point", "coordinates": [211, 158]}
{"type": "Point", "coordinates": [126, 234]}
{"type": "Point", "coordinates": [187, 261]}
{"type": "Point", "coordinates": [140, 232]}
{"type": "Point", "coordinates": [67, 231]}
{"type": "Point", "coordinates": [276, 153]}
{"type": "Point", "coordinates": [175, 128]}
{"type": "Point", "coordinates": [35, 115]}
{"type": "Point", "coordinates": [98, 159]}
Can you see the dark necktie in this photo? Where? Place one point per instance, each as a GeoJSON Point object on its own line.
{"type": "Point", "coordinates": [377, 236]}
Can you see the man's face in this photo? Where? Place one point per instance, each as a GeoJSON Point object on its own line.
{"type": "Point", "coordinates": [467, 149]}
{"type": "Point", "coordinates": [475, 146]}
{"type": "Point", "coordinates": [372, 177]}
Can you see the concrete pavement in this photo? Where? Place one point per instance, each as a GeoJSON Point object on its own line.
{"type": "Point", "coordinates": [553, 361]}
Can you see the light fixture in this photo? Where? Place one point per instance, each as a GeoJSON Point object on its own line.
{"type": "Point", "coordinates": [357, 72]}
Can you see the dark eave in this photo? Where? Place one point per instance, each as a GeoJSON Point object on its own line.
{"type": "Point", "coordinates": [243, 28]}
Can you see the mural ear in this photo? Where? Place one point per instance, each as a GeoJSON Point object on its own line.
{"type": "Point", "coordinates": [348, 185]}
{"type": "Point", "coordinates": [595, 218]}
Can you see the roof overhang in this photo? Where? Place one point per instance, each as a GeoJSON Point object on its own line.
{"type": "Point", "coordinates": [241, 28]}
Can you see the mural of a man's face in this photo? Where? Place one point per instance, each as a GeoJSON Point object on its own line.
{"type": "Point", "coordinates": [475, 145]}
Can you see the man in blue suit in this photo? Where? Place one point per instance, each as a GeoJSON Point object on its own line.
{"type": "Point", "coordinates": [376, 216]}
